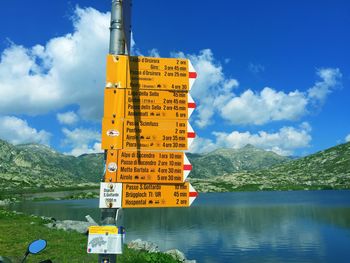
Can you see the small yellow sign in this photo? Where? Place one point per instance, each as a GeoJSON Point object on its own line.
{"type": "Point", "coordinates": [160, 104]}
{"type": "Point", "coordinates": [157, 195]}
{"type": "Point", "coordinates": [148, 73]}
{"type": "Point", "coordinates": [103, 230]}
{"type": "Point", "coordinates": [150, 134]}
{"type": "Point", "coordinates": [146, 167]}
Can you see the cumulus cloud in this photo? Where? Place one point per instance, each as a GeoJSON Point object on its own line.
{"type": "Point", "coordinates": [202, 145]}
{"type": "Point", "coordinates": [211, 87]}
{"type": "Point", "coordinates": [66, 70]}
{"type": "Point", "coordinates": [283, 142]}
{"type": "Point", "coordinates": [67, 118]}
{"type": "Point", "coordinates": [82, 141]}
{"type": "Point", "coordinates": [266, 106]}
{"type": "Point", "coordinates": [17, 131]}
{"type": "Point", "coordinates": [330, 79]}
{"type": "Point", "coordinates": [214, 93]}
{"type": "Point", "coordinates": [347, 138]}
{"type": "Point", "coordinates": [270, 105]}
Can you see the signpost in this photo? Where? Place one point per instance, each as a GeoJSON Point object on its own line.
{"type": "Point", "coordinates": [150, 134]}
{"type": "Point", "coordinates": [136, 195]}
{"type": "Point", "coordinates": [150, 73]}
{"type": "Point", "coordinates": [147, 167]}
{"type": "Point", "coordinates": [161, 104]}
{"type": "Point", "coordinates": [145, 130]}
{"type": "Point", "coordinates": [157, 195]}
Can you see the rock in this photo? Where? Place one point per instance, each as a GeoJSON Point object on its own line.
{"type": "Point", "coordinates": [68, 225]}
{"type": "Point", "coordinates": [176, 254]}
{"type": "Point", "coordinates": [138, 244]}
{"type": "Point", "coordinates": [5, 202]}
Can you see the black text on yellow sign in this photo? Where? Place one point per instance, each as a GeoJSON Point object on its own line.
{"type": "Point", "coordinates": [157, 195]}
{"type": "Point", "coordinates": [163, 104]}
{"type": "Point", "coordinates": [146, 166]}
{"type": "Point", "coordinates": [150, 134]}
{"type": "Point", "coordinates": [149, 73]}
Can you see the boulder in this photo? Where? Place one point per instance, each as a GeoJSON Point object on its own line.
{"type": "Point", "coordinates": [176, 254]}
{"type": "Point", "coordinates": [138, 244]}
{"type": "Point", "coordinates": [68, 225]}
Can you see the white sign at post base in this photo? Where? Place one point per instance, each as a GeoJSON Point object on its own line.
{"type": "Point", "coordinates": [110, 195]}
{"type": "Point", "coordinates": [105, 240]}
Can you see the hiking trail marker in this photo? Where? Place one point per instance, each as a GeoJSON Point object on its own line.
{"type": "Point", "coordinates": [145, 130]}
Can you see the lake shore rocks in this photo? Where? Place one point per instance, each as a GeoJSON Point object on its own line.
{"type": "Point", "coordinates": [151, 247]}
{"type": "Point", "coordinates": [70, 225]}
{"type": "Point", "coordinates": [138, 244]}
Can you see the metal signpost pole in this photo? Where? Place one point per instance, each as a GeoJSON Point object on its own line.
{"type": "Point", "coordinates": [116, 47]}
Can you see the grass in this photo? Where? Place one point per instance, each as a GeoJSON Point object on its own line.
{"type": "Point", "coordinates": [18, 230]}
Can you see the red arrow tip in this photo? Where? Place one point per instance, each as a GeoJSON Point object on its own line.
{"type": "Point", "coordinates": [193, 194]}
{"type": "Point", "coordinates": [192, 105]}
{"type": "Point", "coordinates": [187, 167]}
{"type": "Point", "coordinates": [192, 75]}
{"type": "Point", "coordinates": [191, 135]}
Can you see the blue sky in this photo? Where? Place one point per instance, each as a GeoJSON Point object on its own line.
{"type": "Point", "coordinates": [274, 74]}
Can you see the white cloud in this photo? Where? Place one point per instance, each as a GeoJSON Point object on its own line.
{"type": "Point", "coordinates": [66, 70]}
{"type": "Point", "coordinates": [211, 87]}
{"type": "Point", "coordinates": [283, 142]}
{"type": "Point", "coordinates": [347, 138]}
{"type": "Point", "coordinates": [266, 106]}
{"type": "Point", "coordinates": [330, 79]}
{"type": "Point", "coordinates": [17, 131]}
{"type": "Point", "coordinates": [213, 92]}
{"type": "Point", "coordinates": [85, 149]}
{"type": "Point", "coordinates": [202, 145]}
{"type": "Point", "coordinates": [82, 141]}
{"type": "Point", "coordinates": [256, 68]}
{"type": "Point", "coordinates": [154, 53]}
{"type": "Point", "coordinates": [68, 118]}
{"type": "Point", "coordinates": [270, 105]}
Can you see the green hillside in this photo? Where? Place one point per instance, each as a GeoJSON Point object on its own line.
{"type": "Point", "coordinates": [328, 169]}
{"type": "Point", "coordinates": [226, 161]}
{"type": "Point", "coordinates": [34, 166]}
{"type": "Point", "coordinates": [38, 167]}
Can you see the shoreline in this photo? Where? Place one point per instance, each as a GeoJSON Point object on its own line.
{"type": "Point", "coordinates": [50, 229]}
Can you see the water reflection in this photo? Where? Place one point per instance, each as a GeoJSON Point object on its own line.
{"type": "Point", "coordinates": [237, 227]}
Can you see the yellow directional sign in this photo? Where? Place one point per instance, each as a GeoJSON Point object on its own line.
{"type": "Point", "coordinates": [149, 73]}
{"type": "Point", "coordinates": [150, 134]}
{"type": "Point", "coordinates": [157, 195]}
{"type": "Point", "coordinates": [161, 104]}
{"type": "Point", "coordinates": [146, 167]}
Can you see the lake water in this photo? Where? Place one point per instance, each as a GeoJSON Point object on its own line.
{"type": "Point", "coordinates": [300, 226]}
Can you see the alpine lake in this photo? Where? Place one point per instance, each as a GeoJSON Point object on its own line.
{"type": "Point", "coordinates": [293, 226]}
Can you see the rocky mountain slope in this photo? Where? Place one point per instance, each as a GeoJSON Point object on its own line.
{"type": "Point", "coordinates": [38, 166]}
{"type": "Point", "coordinates": [226, 161]}
{"type": "Point", "coordinates": [328, 169]}
{"type": "Point", "coordinates": [33, 166]}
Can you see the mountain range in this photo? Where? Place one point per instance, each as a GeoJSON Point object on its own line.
{"type": "Point", "coordinates": [226, 161]}
{"type": "Point", "coordinates": [35, 166]}
{"type": "Point", "coordinates": [38, 167]}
